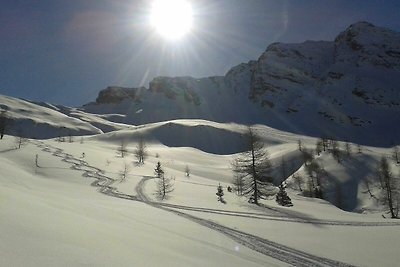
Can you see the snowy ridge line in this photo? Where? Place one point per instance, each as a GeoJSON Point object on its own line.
{"type": "Point", "coordinates": [271, 217]}
{"type": "Point", "coordinates": [283, 253]}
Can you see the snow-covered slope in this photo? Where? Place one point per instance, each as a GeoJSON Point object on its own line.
{"type": "Point", "coordinates": [50, 215]}
{"type": "Point", "coordinates": [42, 121]}
{"type": "Point", "coordinates": [45, 120]}
{"type": "Point", "coordinates": [344, 89]}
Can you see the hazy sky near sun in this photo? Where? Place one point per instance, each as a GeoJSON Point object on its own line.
{"type": "Point", "coordinates": [65, 51]}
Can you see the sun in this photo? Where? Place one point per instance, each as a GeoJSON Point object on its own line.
{"type": "Point", "coordinates": [171, 18]}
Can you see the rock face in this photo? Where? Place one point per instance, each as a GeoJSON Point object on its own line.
{"type": "Point", "coordinates": [114, 94]}
{"type": "Point", "coordinates": [345, 89]}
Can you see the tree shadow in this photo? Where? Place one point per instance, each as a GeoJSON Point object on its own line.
{"type": "Point", "coordinates": [223, 201]}
{"type": "Point", "coordinates": [138, 164]}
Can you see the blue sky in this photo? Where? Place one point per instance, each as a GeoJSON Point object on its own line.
{"type": "Point", "coordinates": [66, 51]}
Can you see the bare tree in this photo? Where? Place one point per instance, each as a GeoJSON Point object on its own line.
{"type": "Point", "coordinates": [319, 147]}
{"type": "Point", "coordinates": [367, 185]}
{"type": "Point", "coordinates": [126, 168]}
{"type": "Point", "coordinates": [325, 144]}
{"type": "Point", "coordinates": [70, 137]}
{"type": "Point", "coordinates": [238, 181]}
{"type": "Point", "coordinates": [158, 171]}
{"type": "Point", "coordinates": [253, 166]}
{"type": "Point", "coordinates": [140, 151]}
{"type": "Point", "coordinates": [220, 193]}
{"type": "Point", "coordinates": [349, 149]}
{"type": "Point", "coordinates": [335, 150]}
{"type": "Point", "coordinates": [298, 179]}
{"type": "Point", "coordinates": [300, 145]}
{"type": "Point", "coordinates": [315, 173]}
{"type": "Point", "coordinates": [164, 185]}
{"type": "Point", "coordinates": [122, 150]}
{"type": "Point", "coordinates": [395, 155]}
{"type": "Point", "coordinates": [20, 141]}
{"type": "Point", "coordinates": [390, 186]}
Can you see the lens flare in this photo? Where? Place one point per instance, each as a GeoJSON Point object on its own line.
{"type": "Point", "coordinates": [172, 19]}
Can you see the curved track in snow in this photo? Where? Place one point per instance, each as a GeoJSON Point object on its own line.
{"type": "Point", "coordinates": [279, 217]}
{"type": "Point", "coordinates": [283, 253]}
{"type": "Point", "coordinates": [261, 245]}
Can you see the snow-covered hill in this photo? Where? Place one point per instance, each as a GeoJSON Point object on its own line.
{"type": "Point", "coordinates": [344, 89]}
{"type": "Point", "coordinates": [42, 121]}
{"type": "Point", "coordinates": [75, 209]}
{"type": "Point", "coordinates": [45, 120]}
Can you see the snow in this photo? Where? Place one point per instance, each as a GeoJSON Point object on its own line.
{"type": "Point", "coordinates": [51, 215]}
{"type": "Point", "coordinates": [41, 121]}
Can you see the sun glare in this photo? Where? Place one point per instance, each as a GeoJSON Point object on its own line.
{"type": "Point", "coordinates": [172, 19]}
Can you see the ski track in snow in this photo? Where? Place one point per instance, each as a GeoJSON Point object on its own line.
{"type": "Point", "coordinates": [261, 245]}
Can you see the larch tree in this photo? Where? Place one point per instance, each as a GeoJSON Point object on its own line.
{"type": "Point", "coordinates": [140, 151]}
{"type": "Point", "coordinates": [282, 197]}
{"type": "Point", "coordinates": [253, 166]}
{"type": "Point", "coordinates": [121, 149]}
{"type": "Point", "coordinates": [164, 185]}
{"type": "Point", "coordinates": [300, 145]}
{"type": "Point", "coordinates": [126, 168]}
{"type": "Point", "coordinates": [319, 147]}
{"type": "Point", "coordinates": [238, 181]}
{"type": "Point", "coordinates": [349, 149]}
{"type": "Point", "coordinates": [325, 144]}
{"type": "Point", "coordinates": [298, 179]}
{"type": "Point", "coordinates": [396, 154]}
{"type": "Point", "coordinates": [220, 193]}
{"type": "Point", "coordinates": [20, 141]}
{"type": "Point", "coordinates": [335, 150]}
{"type": "Point", "coordinates": [390, 188]}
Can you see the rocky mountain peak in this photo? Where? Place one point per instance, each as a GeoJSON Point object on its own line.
{"type": "Point", "coordinates": [346, 89]}
{"type": "Point", "coordinates": [115, 94]}
{"type": "Point", "coordinates": [365, 42]}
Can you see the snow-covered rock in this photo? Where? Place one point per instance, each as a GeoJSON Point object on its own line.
{"type": "Point", "coordinates": [344, 89]}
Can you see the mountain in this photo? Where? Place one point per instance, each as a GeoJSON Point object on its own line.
{"type": "Point", "coordinates": [344, 89]}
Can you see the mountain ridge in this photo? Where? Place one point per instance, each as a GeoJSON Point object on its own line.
{"type": "Point", "coordinates": [344, 89]}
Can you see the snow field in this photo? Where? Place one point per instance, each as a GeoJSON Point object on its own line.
{"type": "Point", "coordinates": [69, 222]}
{"type": "Point", "coordinates": [53, 218]}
